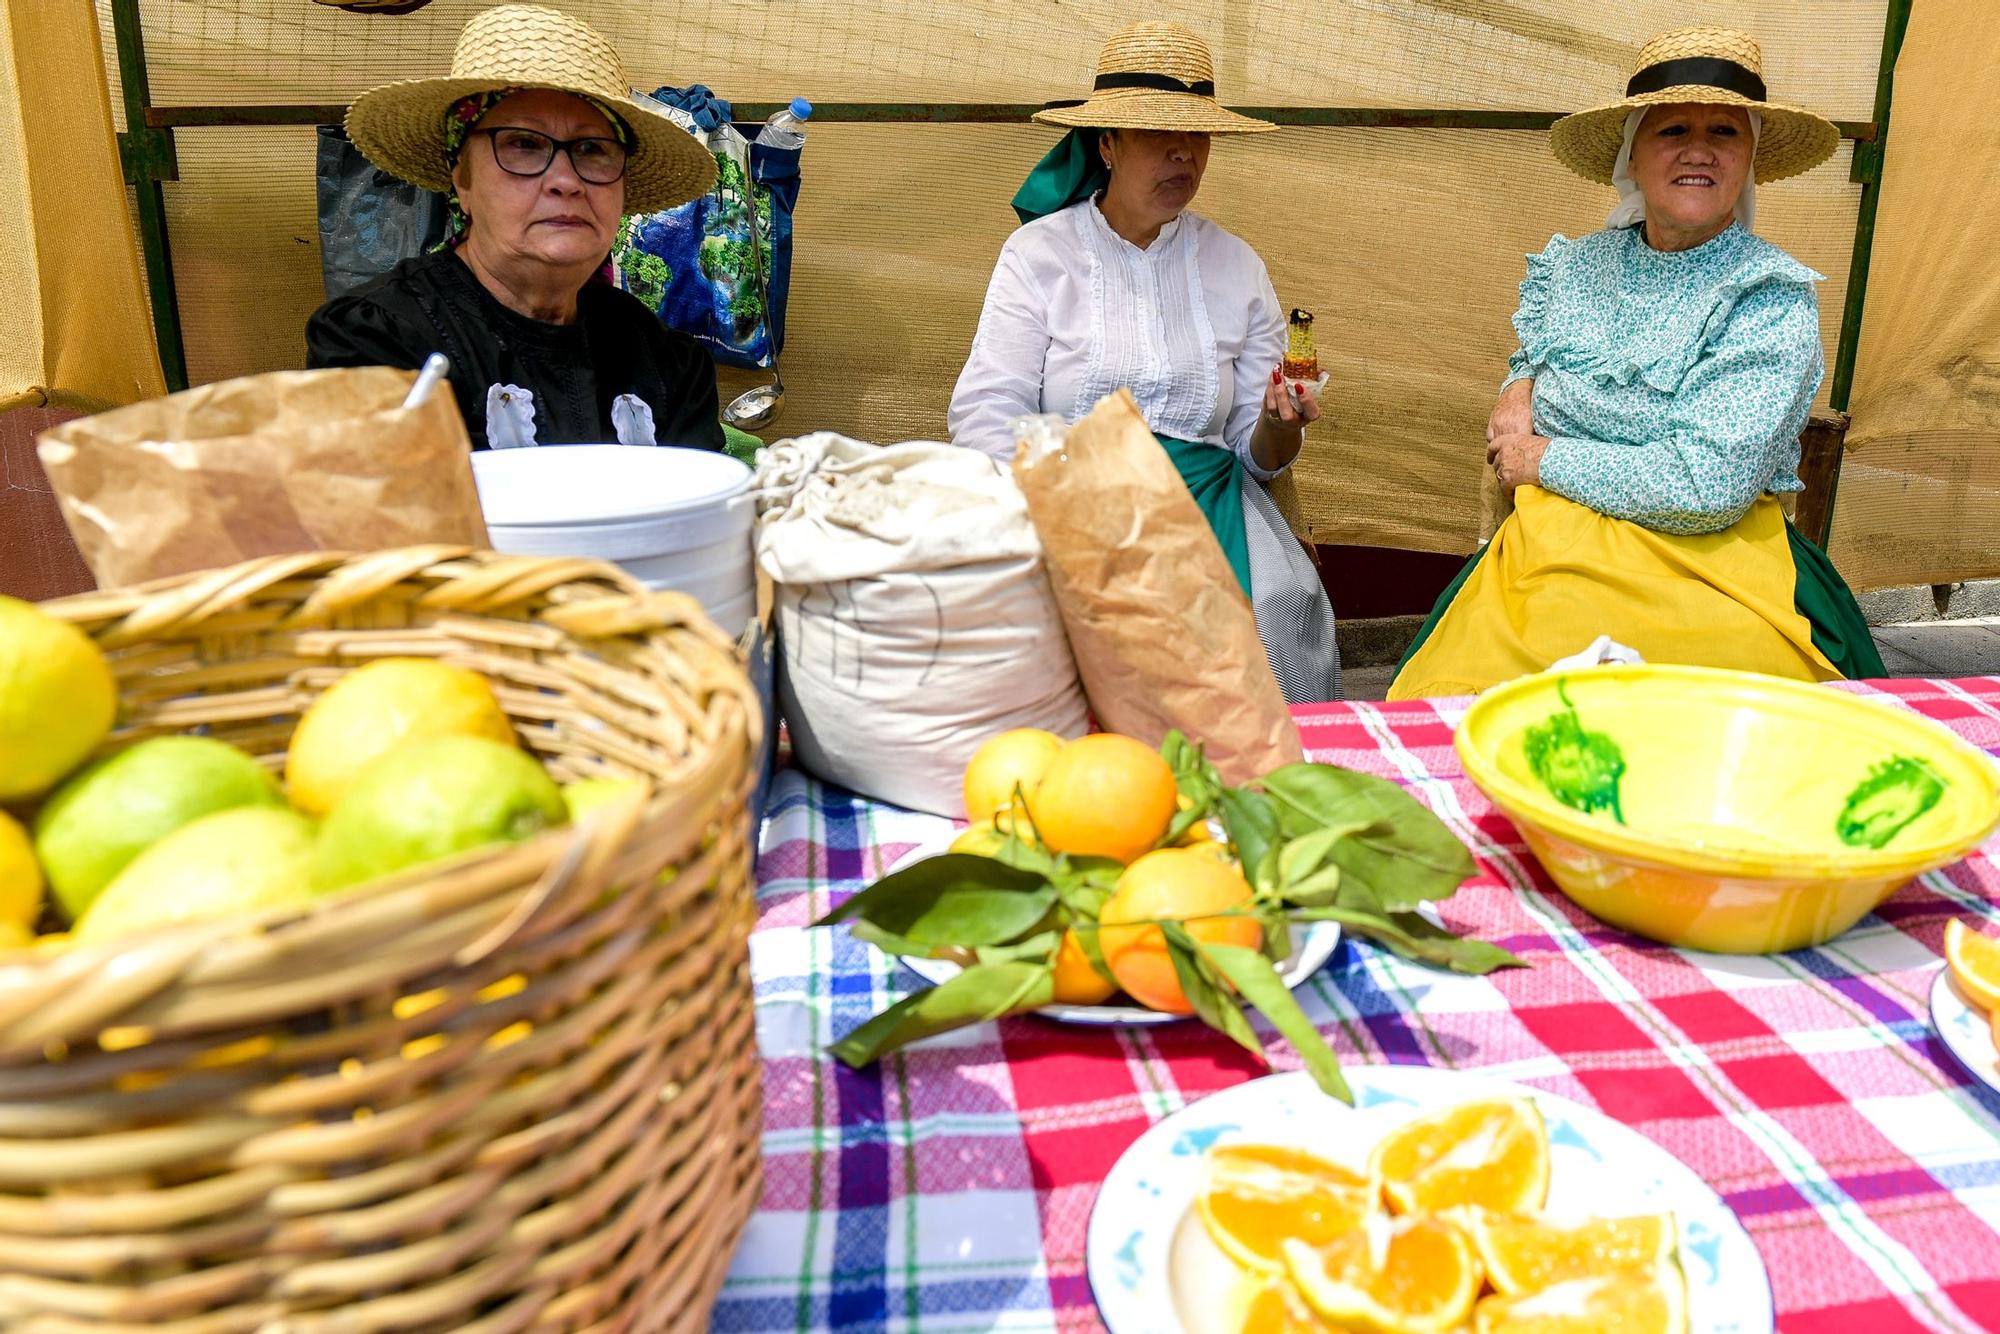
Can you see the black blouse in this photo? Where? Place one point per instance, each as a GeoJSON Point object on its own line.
{"type": "Point", "coordinates": [434, 303]}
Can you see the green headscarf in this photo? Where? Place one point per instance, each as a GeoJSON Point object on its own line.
{"type": "Point", "coordinates": [1070, 173]}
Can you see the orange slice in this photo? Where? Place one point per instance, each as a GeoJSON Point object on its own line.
{"type": "Point", "coordinates": [1258, 1195]}
{"type": "Point", "coordinates": [1390, 1276]}
{"type": "Point", "coordinates": [1528, 1254]}
{"type": "Point", "coordinates": [1494, 1154]}
{"type": "Point", "coordinates": [1640, 1302]}
{"type": "Point", "coordinates": [1975, 963]}
{"type": "Point", "coordinates": [1274, 1306]}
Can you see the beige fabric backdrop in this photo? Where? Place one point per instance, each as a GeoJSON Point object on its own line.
{"type": "Point", "coordinates": [1407, 243]}
{"type": "Point", "coordinates": [1919, 494]}
{"type": "Point", "coordinates": [74, 329]}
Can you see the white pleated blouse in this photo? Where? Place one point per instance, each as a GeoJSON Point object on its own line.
{"type": "Point", "coordinates": [1191, 325]}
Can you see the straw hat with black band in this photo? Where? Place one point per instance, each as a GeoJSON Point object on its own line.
{"type": "Point", "coordinates": [1708, 66]}
{"type": "Point", "coordinates": [1150, 76]}
{"type": "Point", "coordinates": [400, 127]}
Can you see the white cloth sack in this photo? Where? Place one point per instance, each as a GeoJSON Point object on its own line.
{"type": "Point", "coordinates": [914, 616]}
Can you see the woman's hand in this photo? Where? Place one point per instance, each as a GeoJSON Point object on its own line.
{"type": "Point", "coordinates": [1514, 414]}
{"type": "Point", "coordinates": [1517, 459]}
{"type": "Point", "coordinates": [1281, 430]}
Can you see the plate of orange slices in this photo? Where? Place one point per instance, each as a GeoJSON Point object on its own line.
{"type": "Point", "coordinates": [1965, 1001]}
{"type": "Point", "coordinates": [1441, 1201]}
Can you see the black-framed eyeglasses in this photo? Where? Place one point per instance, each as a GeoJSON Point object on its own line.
{"type": "Point", "coordinates": [524, 152]}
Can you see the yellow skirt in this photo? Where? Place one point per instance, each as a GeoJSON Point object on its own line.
{"type": "Point", "coordinates": [1559, 574]}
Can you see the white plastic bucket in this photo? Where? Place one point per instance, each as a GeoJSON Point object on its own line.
{"type": "Point", "coordinates": [671, 517]}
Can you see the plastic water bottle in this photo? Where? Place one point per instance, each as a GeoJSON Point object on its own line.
{"type": "Point", "coordinates": [787, 129]}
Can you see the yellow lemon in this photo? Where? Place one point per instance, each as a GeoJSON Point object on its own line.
{"type": "Point", "coordinates": [14, 936]}
{"type": "Point", "coordinates": [115, 809]}
{"type": "Point", "coordinates": [434, 798]}
{"type": "Point", "coordinates": [234, 861]}
{"type": "Point", "coordinates": [20, 876]}
{"type": "Point", "coordinates": [57, 699]}
{"type": "Point", "coordinates": [371, 711]}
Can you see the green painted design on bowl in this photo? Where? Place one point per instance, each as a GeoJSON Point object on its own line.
{"type": "Point", "coordinates": [1893, 796]}
{"type": "Point", "coordinates": [1579, 767]}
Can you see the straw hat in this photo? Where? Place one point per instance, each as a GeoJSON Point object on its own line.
{"type": "Point", "coordinates": [1712, 66]}
{"type": "Point", "coordinates": [400, 126]}
{"type": "Point", "coordinates": [1153, 76]}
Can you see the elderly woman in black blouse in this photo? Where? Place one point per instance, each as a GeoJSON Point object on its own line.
{"type": "Point", "coordinates": [542, 147]}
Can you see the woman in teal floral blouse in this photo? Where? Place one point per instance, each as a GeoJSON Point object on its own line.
{"type": "Point", "coordinates": [1652, 411]}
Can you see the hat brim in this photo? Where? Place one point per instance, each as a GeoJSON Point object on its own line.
{"type": "Point", "coordinates": [1151, 109]}
{"type": "Point", "coordinates": [400, 128]}
{"type": "Point", "coordinates": [1792, 141]}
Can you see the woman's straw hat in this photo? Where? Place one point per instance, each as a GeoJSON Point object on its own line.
{"type": "Point", "coordinates": [1153, 76]}
{"type": "Point", "coordinates": [400, 126]}
{"type": "Point", "coordinates": [1713, 66]}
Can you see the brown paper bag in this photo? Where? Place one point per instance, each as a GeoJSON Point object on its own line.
{"type": "Point", "coordinates": [1162, 633]}
{"type": "Point", "coordinates": [262, 466]}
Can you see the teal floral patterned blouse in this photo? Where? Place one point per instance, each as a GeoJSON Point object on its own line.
{"type": "Point", "coordinates": [1672, 387]}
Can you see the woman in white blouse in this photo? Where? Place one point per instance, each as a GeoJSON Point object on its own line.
{"type": "Point", "coordinates": [1111, 283]}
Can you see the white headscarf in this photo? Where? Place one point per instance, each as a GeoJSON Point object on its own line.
{"type": "Point", "coordinates": [1632, 205]}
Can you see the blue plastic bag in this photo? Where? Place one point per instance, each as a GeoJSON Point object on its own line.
{"type": "Point", "coordinates": [695, 264]}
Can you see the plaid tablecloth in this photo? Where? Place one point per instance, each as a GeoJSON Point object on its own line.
{"type": "Point", "coordinates": [948, 1189]}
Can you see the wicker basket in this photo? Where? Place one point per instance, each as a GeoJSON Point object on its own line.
{"type": "Point", "coordinates": [515, 1091]}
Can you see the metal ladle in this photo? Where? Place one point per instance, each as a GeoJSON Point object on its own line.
{"type": "Point", "coordinates": [754, 409]}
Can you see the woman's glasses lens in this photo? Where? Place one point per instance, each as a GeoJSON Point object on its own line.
{"type": "Point", "coordinates": [529, 153]}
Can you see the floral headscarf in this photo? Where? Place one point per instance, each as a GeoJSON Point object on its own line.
{"type": "Point", "coordinates": [467, 112]}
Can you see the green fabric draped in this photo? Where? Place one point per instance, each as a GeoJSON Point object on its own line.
{"type": "Point", "coordinates": [1214, 477]}
{"type": "Point", "coordinates": [1820, 595]}
{"type": "Point", "coordinates": [1069, 173]}
{"type": "Point", "coordinates": [1839, 630]}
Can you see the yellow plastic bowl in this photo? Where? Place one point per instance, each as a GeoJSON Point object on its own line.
{"type": "Point", "coordinates": [1725, 811]}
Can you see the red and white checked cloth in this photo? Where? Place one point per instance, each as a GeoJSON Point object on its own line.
{"type": "Point", "coordinates": [948, 1188]}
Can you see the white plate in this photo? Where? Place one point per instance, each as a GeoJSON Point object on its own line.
{"type": "Point", "coordinates": [1312, 946]}
{"type": "Point", "coordinates": [1966, 1029]}
{"type": "Point", "coordinates": [1599, 1168]}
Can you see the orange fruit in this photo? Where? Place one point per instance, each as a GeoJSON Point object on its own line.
{"type": "Point", "coordinates": [1178, 884]}
{"type": "Point", "coordinates": [1523, 1254]}
{"type": "Point", "coordinates": [1391, 1276]}
{"type": "Point", "coordinates": [1104, 796]}
{"type": "Point", "coordinates": [1492, 1153]}
{"type": "Point", "coordinates": [1002, 762]}
{"type": "Point", "coordinates": [1974, 961]}
{"type": "Point", "coordinates": [1077, 983]}
{"type": "Point", "coordinates": [1255, 1196]}
{"type": "Point", "coordinates": [1274, 1306]}
{"type": "Point", "coordinates": [1646, 1301]}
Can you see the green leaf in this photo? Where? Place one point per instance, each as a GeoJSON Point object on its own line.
{"type": "Point", "coordinates": [1037, 949]}
{"type": "Point", "coordinates": [1299, 857]}
{"type": "Point", "coordinates": [1212, 1005]}
{"type": "Point", "coordinates": [1417, 939]}
{"type": "Point", "coordinates": [1321, 887]}
{"type": "Point", "coordinates": [975, 996]}
{"type": "Point", "coordinates": [1399, 854]}
{"type": "Point", "coordinates": [955, 899]}
{"type": "Point", "coordinates": [1023, 855]}
{"type": "Point", "coordinates": [1277, 936]}
{"type": "Point", "coordinates": [1196, 779]}
{"type": "Point", "coordinates": [1252, 822]}
{"type": "Point", "coordinates": [891, 943]}
{"type": "Point", "coordinates": [1253, 976]}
